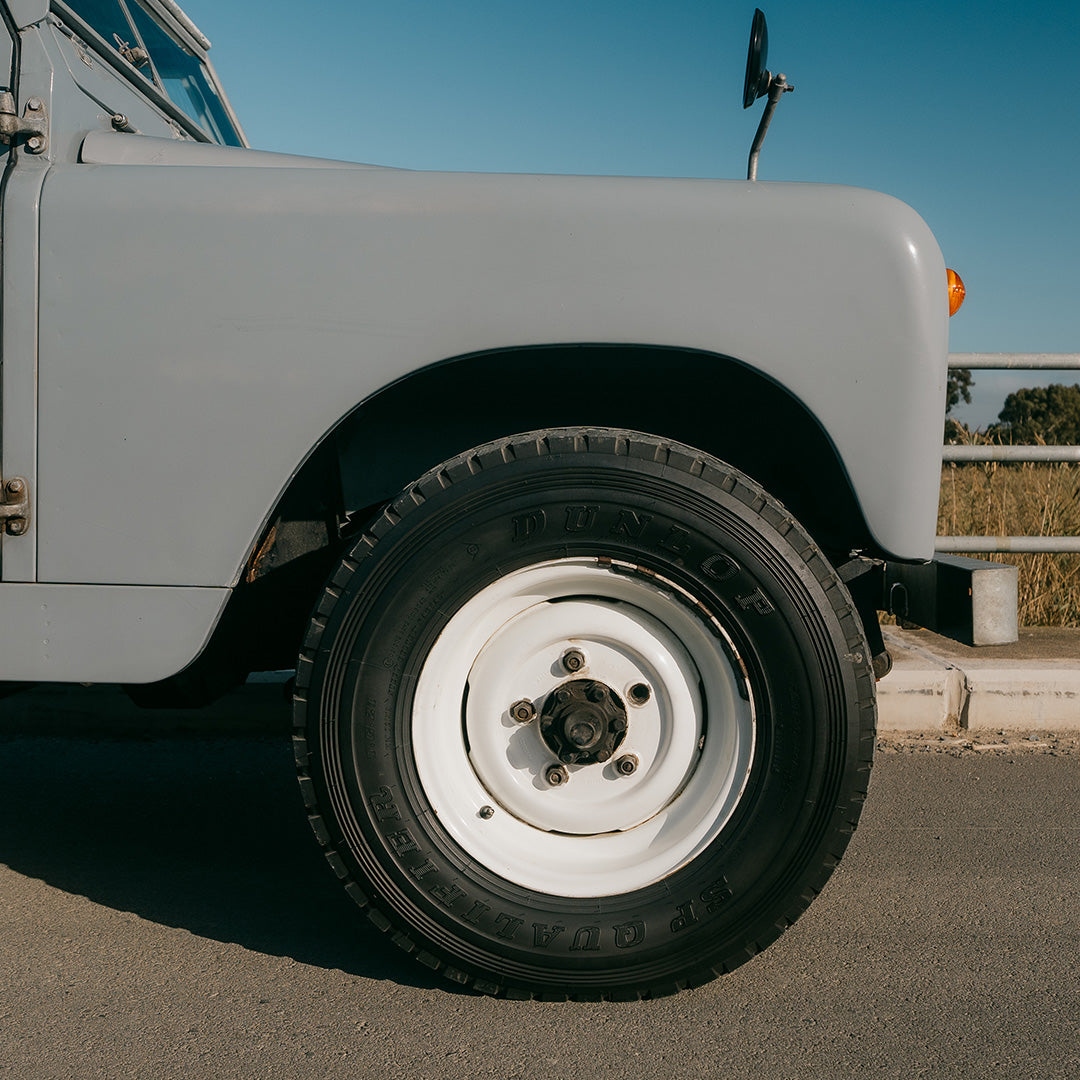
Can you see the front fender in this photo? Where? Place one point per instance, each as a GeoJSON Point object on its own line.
{"type": "Point", "coordinates": [203, 328]}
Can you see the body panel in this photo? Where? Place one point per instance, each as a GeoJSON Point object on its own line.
{"type": "Point", "coordinates": [207, 326]}
{"type": "Point", "coordinates": [88, 633]}
{"type": "Point", "coordinates": [111, 148]}
{"type": "Point", "coordinates": [21, 189]}
{"type": "Point", "coordinates": [27, 12]}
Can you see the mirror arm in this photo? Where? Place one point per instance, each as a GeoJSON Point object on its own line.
{"type": "Point", "coordinates": [778, 86]}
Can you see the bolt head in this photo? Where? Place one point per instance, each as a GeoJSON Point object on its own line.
{"type": "Point", "coordinates": [16, 528]}
{"type": "Point", "coordinates": [15, 486]}
{"type": "Point", "coordinates": [487, 812]}
{"type": "Point", "coordinates": [573, 660]}
{"type": "Point", "coordinates": [523, 711]}
{"type": "Point", "coordinates": [556, 775]}
{"type": "Point", "coordinates": [35, 142]}
{"type": "Point", "coordinates": [627, 764]}
{"type": "Point", "coordinates": [34, 104]}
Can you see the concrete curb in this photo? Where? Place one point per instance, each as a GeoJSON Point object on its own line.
{"type": "Point", "coordinates": [936, 686]}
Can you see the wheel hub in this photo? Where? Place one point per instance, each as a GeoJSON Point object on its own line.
{"type": "Point", "coordinates": [583, 722]}
{"type": "Point", "coordinates": [498, 711]}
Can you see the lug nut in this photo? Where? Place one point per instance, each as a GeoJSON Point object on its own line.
{"type": "Point", "coordinates": [639, 694]}
{"type": "Point", "coordinates": [523, 711]}
{"type": "Point", "coordinates": [627, 764]}
{"type": "Point", "coordinates": [556, 775]}
{"type": "Point", "coordinates": [573, 660]}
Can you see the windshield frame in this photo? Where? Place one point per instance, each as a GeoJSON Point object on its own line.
{"type": "Point", "coordinates": [147, 80]}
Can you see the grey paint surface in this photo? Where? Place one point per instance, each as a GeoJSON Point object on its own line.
{"type": "Point", "coordinates": [282, 298]}
{"type": "Point", "coordinates": [114, 148]}
{"type": "Point", "coordinates": [18, 335]}
{"type": "Point", "coordinates": [26, 12]}
{"type": "Point", "coordinates": [92, 633]}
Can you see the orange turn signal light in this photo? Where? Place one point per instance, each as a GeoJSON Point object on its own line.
{"type": "Point", "coordinates": [957, 292]}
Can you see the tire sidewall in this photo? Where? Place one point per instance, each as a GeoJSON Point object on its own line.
{"type": "Point", "coordinates": [729, 547]}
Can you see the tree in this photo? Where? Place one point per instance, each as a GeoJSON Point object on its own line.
{"type": "Point", "coordinates": [959, 386]}
{"type": "Point", "coordinates": [1049, 414]}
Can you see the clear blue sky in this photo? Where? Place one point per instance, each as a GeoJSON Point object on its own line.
{"type": "Point", "coordinates": [969, 111]}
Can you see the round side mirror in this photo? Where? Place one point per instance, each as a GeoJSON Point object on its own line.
{"type": "Point", "coordinates": [757, 78]}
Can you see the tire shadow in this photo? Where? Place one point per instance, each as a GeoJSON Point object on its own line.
{"type": "Point", "coordinates": [193, 831]}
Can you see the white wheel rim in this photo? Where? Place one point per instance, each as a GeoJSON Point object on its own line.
{"type": "Point", "coordinates": [600, 833]}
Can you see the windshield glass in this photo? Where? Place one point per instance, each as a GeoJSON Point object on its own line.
{"type": "Point", "coordinates": [184, 78]}
{"type": "Point", "coordinates": [108, 19]}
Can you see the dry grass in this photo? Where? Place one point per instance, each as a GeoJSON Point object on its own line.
{"type": "Point", "coordinates": [999, 499]}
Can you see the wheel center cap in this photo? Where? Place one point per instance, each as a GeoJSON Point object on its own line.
{"type": "Point", "coordinates": [583, 722]}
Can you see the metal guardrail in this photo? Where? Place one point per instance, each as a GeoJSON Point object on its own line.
{"type": "Point", "coordinates": [1029, 361]}
{"type": "Point", "coordinates": [1025, 544]}
{"type": "Point", "coordinates": [1010, 453]}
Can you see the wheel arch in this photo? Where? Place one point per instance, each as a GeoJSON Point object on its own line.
{"type": "Point", "coordinates": [706, 400]}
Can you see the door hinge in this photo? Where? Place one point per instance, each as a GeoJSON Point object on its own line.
{"type": "Point", "coordinates": [33, 125]}
{"type": "Point", "coordinates": [15, 506]}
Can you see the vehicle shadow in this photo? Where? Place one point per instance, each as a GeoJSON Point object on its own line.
{"type": "Point", "coordinates": [194, 831]}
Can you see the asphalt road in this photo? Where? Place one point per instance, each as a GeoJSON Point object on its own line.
{"type": "Point", "coordinates": [164, 913]}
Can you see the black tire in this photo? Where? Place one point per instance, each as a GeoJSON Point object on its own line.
{"type": "Point", "coordinates": [644, 534]}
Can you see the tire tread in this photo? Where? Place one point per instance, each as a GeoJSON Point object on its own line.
{"type": "Point", "coordinates": [675, 457]}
